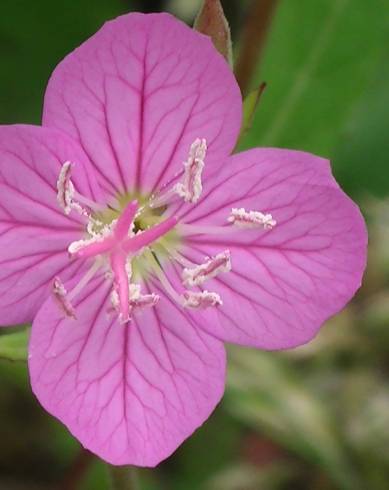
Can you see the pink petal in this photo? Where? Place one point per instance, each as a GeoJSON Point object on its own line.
{"type": "Point", "coordinates": [287, 281]}
{"type": "Point", "coordinates": [138, 93]}
{"type": "Point", "coordinates": [130, 393]}
{"type": "Point", "coordinates": [34, 232]}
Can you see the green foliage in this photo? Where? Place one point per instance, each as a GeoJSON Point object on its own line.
{"type": "Point", "coordinates": [13, 345]}
{"type": "Point", "coordinates": [265, 393]}
{"type": "Point", "coordinates": [320, 58]}
{"type": "Point", "coordinates": [361, 157]}
{"type": "Point", "coordinates": [34, 37]}
{"type": "Point", "coordinates": [250, 106]}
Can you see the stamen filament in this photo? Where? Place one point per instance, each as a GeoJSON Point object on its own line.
{"type": "Point", "coordinates": [88, 202]}
{"type": "Point", "coordinates": [67, 196]}
{"type": "Point", "coordinates": [85, 280]}
{"type": "Point", "coordinates": [180, 258]}
{"type": "Point", "coordinates": [162, 199]}
{"type": "Point", "coordinates": [163, 278]}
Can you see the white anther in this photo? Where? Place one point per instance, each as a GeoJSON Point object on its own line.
{"type": "Point", "coordinates": [65, 188]}
{"type": "Point", "coordinates": [145, 300]}
{"type": "Point", "coordinates": [203, 299]}
{"type": "Point", "coordinates": [211, 268]}
{"type": "Point", "coordinates": [191, 187]}
{"type": "Point", "coordinates": [134, 291]}
{"type": "Point", "coordinates": [129, 273]}
{"type": "Point", "coordinates": [251, 219]}
{"type": "Point", "coordinates": [66, 191]}
{"type": "Point", "coordinates": [136, 299]}
{"type": "Point", "coordinates": [115, 299]}
{"type": "Point", "coordinates": [60, 295]}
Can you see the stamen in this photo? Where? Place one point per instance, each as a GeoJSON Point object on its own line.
{"type": "Point", "coordinates": [159, 200]}
{"type": "Point", "coordinates": [251, 219]}
{"type": "Point", "coordinates": [163, 196]}
{"type": "Point", "coordinates": [162, 278]}
{"type": "Point", "coordinates": [179, 258]}
{"type": "Point", "coordinates": [138, 300]}
{"type": "Point", "coordinates": [85, 279]}
{"type": "Point", "coordinates": [66, 193]}
{"type": "Point", "coordinates": [191, 187]}
{"type": "Point", "coordinates": [88, 202]}
{"type": "Point", "coordinates": [200, 300]}
{"type": "Point", "coordinates": [211, 268]}
{"type": "Point", "coordinates": [115, 300]}
{"type": "Point", "coordinates": [133, 291]}
{"type": "Point", "coordinates": [65, 188]}
{"type": "Point", "coordinates": [145, 300]}
{"type": "Point", "coordinates": [62, 298]}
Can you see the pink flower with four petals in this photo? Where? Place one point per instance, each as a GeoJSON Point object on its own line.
{"type": "Point", "coordinates": [137, 245]}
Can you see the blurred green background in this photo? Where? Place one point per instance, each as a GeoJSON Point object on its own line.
{"type": "Point", "coordinates": [316, 417]}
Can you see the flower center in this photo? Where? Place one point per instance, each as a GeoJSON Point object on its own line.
{"type": "Point", "coordinates": [129, 240]}
{"type": "Point", "coordinates": [119, 243]}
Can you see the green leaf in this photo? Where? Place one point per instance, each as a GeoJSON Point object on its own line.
{"type": "Point", "coordinates": [212, 22]}
{"type": "Point", "coordinates": [13, 346]}
{"type": "Point", "coordinates": [361, 157]}
{"type": "Point", "coordinates": [263, 393]}
{"type": "Point", "coordinates": [34, 38]}
{"type": "Point", "coordinates": [319, 59]}
{"type": "Point", "coordinates": [250, 105]}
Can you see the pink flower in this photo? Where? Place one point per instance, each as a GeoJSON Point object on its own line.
{"type": "Point", "coordinates": [137, 245]}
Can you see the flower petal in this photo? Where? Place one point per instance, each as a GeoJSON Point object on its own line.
{"type": "Point", "coordinates": [130, 393]}
{"type": "Point", "coordinates": [138, 93]}
{"type": "Point", "coordinates": [287, 281]}
{"type": "Point", "coordinates": [34, 232]}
